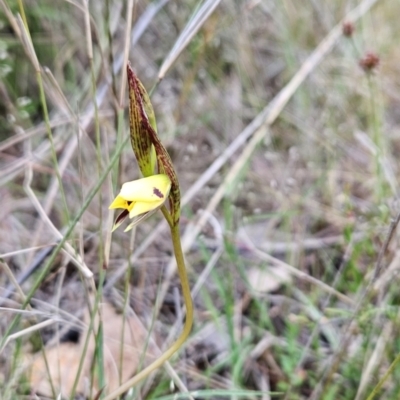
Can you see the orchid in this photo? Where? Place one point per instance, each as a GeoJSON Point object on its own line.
{"type": "Point", "coordinates": [141, 197]}
{"type": "Point", "coordinates": [149, 151]}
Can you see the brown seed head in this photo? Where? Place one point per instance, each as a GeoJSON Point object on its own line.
{"type": "Point", "coordinates": [348, 28]}
{"type": "Point", "coordinates": [369, 62]}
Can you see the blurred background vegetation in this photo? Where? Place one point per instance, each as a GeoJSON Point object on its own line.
{"type": "Point", "coordinates": [282, 120]}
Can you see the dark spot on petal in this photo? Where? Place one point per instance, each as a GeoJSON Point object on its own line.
{"type": "Point", "coordinates": [158, 193]}
{"type": "Point", "coordinates": [129, 203]}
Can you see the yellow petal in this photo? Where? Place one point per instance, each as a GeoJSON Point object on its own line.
{"type": "Point", "coordinates": [119, 202]}
{"type": "Point", "coordinates": [142, 207]}
{"type": "Point", "coordinates": [154, 188]}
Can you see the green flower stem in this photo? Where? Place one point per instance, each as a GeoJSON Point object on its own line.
{"type": "Point", "coordinates": [180, 261]}
{"type": "Point", "coordinates": [384, 378]}
{"type": "Point", "coordinates": [167, 216]}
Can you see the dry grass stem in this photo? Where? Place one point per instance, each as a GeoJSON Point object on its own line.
{"type": "Point", "coordinates": [195, 23]}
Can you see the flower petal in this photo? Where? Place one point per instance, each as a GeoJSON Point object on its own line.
{"type": "Point", "coordinates": [141, 118]}
{"type": "Point", "coordinates": [136, 221]}
{"type": "Point", "coordinates": [119, 202]}
{"type": "Point", "coordinates": [142, 207]}
{"type": "Point", "coordinates": [154, 188]}
{"type": "Point", "coordinates": [120, 219]}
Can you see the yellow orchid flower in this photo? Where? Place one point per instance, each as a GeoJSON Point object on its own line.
{"type": "Point", "coordinates": [141, 197]}
{"type": "Point", "coordinates": [149, 151]}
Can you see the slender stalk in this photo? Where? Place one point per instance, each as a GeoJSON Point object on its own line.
{"type": "Point", "coordinates": [42, 97]}
{"type": "Point", "coordinates": [180, 261]}
{"type": "Point", "coordinates": [378, 387]}
{"type": "Point", "coordinates": [167, 216]}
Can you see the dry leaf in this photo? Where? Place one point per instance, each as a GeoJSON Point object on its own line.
{"type": "Point", "coordinates": [63, 360]}
{"type": "Point", "coordinates": [269, 279]}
